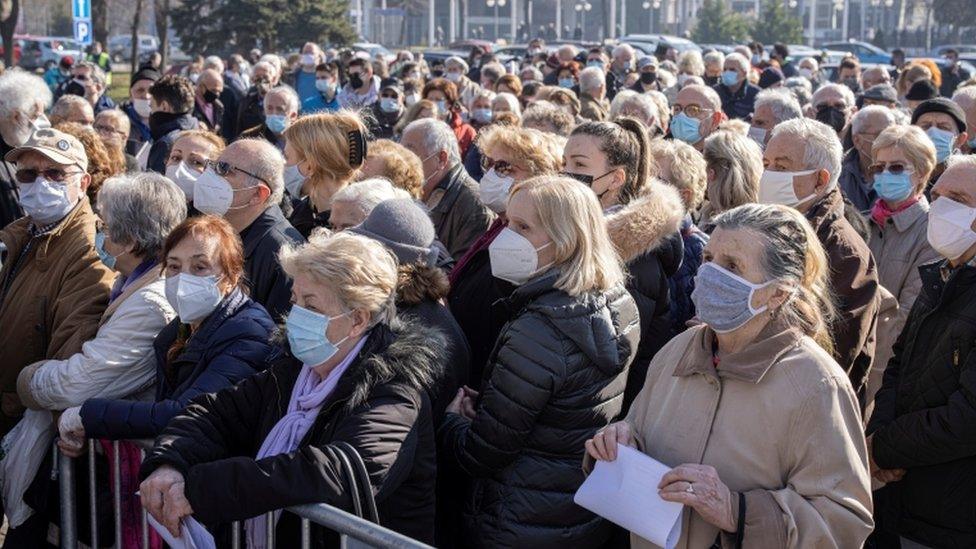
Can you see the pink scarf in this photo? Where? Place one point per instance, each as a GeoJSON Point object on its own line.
{"type": "Point", "coordinates": [129, 461]}
{"type": "Point", "coordinates": [881, 212]}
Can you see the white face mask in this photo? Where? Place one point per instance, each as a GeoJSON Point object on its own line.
{"type": "Point", "coordinates": [294, 180]}
{"type": "Point", "coordinates": [142, 107]}
{"type": "Point", "coordinates": [212, 194]}
{"type": "Point", "coordinates": [950, 227]}
{"type": "Point", "coordinates": [758, 135]}
{"type": "Point", "coordinates": [513, 258]}
{"type": "Point", "coordinates": [494, 190]}
{"type": "Point", "coordinates": [806, 73]}
{"type": "Point", "coordinates": [192, 297]}
{"type": "Point", "coordinates": [46, 201]}
{"type": "Point", "coordinates": [183, 176]}
{"type": "Point", "coordinates": [777, 188]}
{"type": "Point", "coordinates": [411, 98]}
{"type": "Point", "coordinates": [453, 76]}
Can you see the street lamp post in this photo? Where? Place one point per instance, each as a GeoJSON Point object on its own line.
{"type": "Point", "coordinates": [496, 4]}
{"type": "Point", "coordinates": [581, 9]}
{"type": "Point", "coordinates": [656, 4]}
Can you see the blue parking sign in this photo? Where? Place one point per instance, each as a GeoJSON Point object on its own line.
{"type": "Point", "coordinates": [83, 31]}
{"type": "Point", "coordinates": [81, 9]}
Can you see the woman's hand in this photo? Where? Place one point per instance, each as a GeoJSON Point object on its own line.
{"type": "Point", "coordinates": [464, 403]}
{"type": "Point", "coordinates": [175, 507]}
{"type": "Point", "coordinates": [158, 500]}
{"type": "Point", "coordinates": [72, 433]}
{"type": "Point", "coordinates": [699, 487]}
{"type": "Point", "coordinates": [603, 445]}
{"type": "Point", "coordinates": [883, 475]}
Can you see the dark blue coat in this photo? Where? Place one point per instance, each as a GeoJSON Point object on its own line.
{"type": "Point", "coordinates": [738, 104]}
{"type": "Point", "coordinates": [683, 280]}
{"type": "Point", "coordinates": [163, 136]}
{"type": "Point", "coordinates": [230, 345]}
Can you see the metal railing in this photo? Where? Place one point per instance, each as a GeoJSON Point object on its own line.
{"type": "Point", "coordinates": [351, 529]}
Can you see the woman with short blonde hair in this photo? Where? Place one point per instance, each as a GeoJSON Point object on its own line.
{"type": "Point", "coordinates": [734, 166]}
{"type": "Point", "coordinates": [561, 356]}
{"type": "Point", "coordinates": [327, 149]}
{"type": "Point", "coordinates": [904, 158]}
{"type": "Point", "coordinates": [392, 161]}
{"type": "Point", "coordinates": [188, 157]}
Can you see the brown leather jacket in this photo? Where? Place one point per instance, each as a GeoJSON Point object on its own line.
{"type": "Point", "coordinates": [53, 303]}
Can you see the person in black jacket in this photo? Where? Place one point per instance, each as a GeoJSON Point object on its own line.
{"type": "Point", "coordinates": [26, 96]}
{"type": "Point", "coordinates": [555, 376]}
{"type": "Point", "coordinates": [921, 435]}
{"type": "Point", "coordinates": [250, 110]}
{"type": "Point", "coordinates": [386, 113]}
{"type": "Point", "coordinates": [644, 217]}
{"type": "Point", "coordinates": [251, 170]}
{"type": "Point", "coordinates": [358, 374]}
{"type": "Point", "coordinates": [172, 112]}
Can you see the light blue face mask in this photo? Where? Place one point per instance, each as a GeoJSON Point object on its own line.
{"type": "Point", "coordinates": [276, 123]}
{"type": "Point", "coordinates": [107, 258]}
{"type": "Point", "coordinates": [893, 187]}
{"type": "Point", "coordinates": [942, 140]}
{"type": "Point", "coordinates": [722, 299]}
{"type": "Point", "coordinates": [686, 128]}
{"type": "Point", "coordinates": [294, 180]}
{"type": "Point", "coordinates": [567, 83]}
{"type": "Point", "coordinates": [481, 116]}
{"type": "Point", "coordinates": [730, 78]}
{"type": "Point", "coordinates": [306, 336]}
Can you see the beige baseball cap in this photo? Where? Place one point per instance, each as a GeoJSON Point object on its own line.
{"type": "Point", "coordinates": [56, 145]}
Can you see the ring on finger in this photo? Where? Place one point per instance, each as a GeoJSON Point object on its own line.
{"type": "Point", "coordinates": [690, 489]}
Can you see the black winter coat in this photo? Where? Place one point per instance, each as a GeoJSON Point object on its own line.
{"type": "Point", "coordinates": [164, 133]}
{"type": "Point", "coordinates": [10, 209]}
{"type": "Point", "coordinates": [555, 377]}
{"type": "Point", "coordinates": [924, 418]}
{"type": "Point", "coordinates": [380, 407]}
{"type": "Point", "coordinates": [262, 240]}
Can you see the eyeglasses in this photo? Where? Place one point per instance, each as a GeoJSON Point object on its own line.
{"type": "Point", "coordinates": [82, 77]}
{"type": "Point", "coordinates": [222, 168]}
{"type": "Point", "coordinates": [694, 111]}
{"type": "Point", "coordinates": [894, 168]}
{"type": "Point", "coordinates": [501, 167]}
{"type": "Point", "coordinates": [28, 175]}
{"type": "Point", "coordinates": [108, 130]}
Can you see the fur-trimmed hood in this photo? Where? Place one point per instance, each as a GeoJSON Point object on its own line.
{"type": "Point", "coordinates": [647, 221]}
{"type": "Point", "coordinates": [417, 282]}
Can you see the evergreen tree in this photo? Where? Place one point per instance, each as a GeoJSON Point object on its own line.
{"type": "Point", "coordinates": [717, 24]}
{"type": "Point", "coordinates": [775, 24]}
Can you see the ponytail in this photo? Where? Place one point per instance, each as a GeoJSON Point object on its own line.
{"type": "Point", "coordinates": [642, 171]}
{"type": "Point", "coordinates": [626, 145]}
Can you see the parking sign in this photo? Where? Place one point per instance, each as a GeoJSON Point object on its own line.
{"type": "Point", "coordinates": [81, 9]}
{"type": "Point", "coordinates": [83, 31]}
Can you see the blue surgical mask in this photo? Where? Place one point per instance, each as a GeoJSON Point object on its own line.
{"type": "Point", "coordinates": [46, 201]}
{"type": "Point", "coordinates": [722, 299]}
{"type": "Point", "coordinates": [686, 128]}
{"type": "Point", "coordinates": [893, 187]}
{"type": "Point", "coordinates": [294, 180]}
{"type": "Point", "coordinates": [730, 78]}
{"type": "Point", "coordinates": [276, 123]}
{"type": "Point", "coordinates": [972, 144]}
{"type": "Point", "coordinates": [594, 64]}
{"type": "Point", "coordinates": [567, 83]}
{"type": "Point", "coordinates": [389, 105]}
{"type": "Point", "coordinates": [107, 258]}
{"type": "Point", "coordinates": [481, 116]}
{"type": "Point", "coordinates": [442, 106]}
{"type": "Point", "coordinates": [942, 140]}
{"type": "Point", "coordinates": [325, 86]}
{"type": "Point", "coordinates": [306, 336]}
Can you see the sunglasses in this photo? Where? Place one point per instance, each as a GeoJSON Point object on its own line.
{"type": "Point", "coordinates": [501, 167]}
{"type": "Point", "coordinates": [222, 169]}
{"type": "Point", "coordinates": [894, 168]}
{"type": "Point", "coordinates": [28, 175]}
{"type": "Point", "coordinates": [694, 111]}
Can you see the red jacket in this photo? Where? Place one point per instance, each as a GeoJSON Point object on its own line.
{"type": "Point", "coordinates": [464, 132]}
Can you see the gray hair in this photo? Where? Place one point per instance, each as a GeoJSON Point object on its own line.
{"type": "Point", "coordinates": [709, 93]}
{"type": "Point", "coordinates": [271, 59]}
{"type": "Point", "coordinates": [97, 74]}
{"type": "Point", "coordinates": [782, 103]}
{"type": "Point", "coordinates": [841, 89]}
{"type": "Point", "coordinates": [960, 160]}
{"type": "Point", "coordinates": [810, 61]}
{"type": "Point", "coordinates": [739, 60]}
{"type": "Point", "coordinates": [267, 163]}
{"type": "Point", "coordinates": [536, 73]}
{"type": "Point", "coordinates": [663, 107]}
{"type": "Point", "coordinates": [567, 48]}
{"type": "Point", "coordinates": [540, 114]}
{"type": "Point", "coordinates": [438, 136]}
{"type": "Point", "coordinates": [493, 71]}
{"type": "Point", "coordinates": [289, 94]}
{"type": "Point", "coordinates": [801, 88]}
{"type": "Point", "coordinates": [821, 147]}
{"type": "Point", "coordinates": [714, 58]}
{"type": "Point", "coordinates": [629, 99]}
{"type": "Point", "coordinates": [214, 62]}
{"type": "Point", "coordinates": [268, 66]}
{"type": "Point", "coordinates": [481, 93]}
{"type": "Point", "coordinates": [457, 63]}
{"type": "Point", "coordinates": [368, 193]}
{"type": "Point", "coordinates": [62, 108]}
{"type": "Point", "coordinates": [872, 111]}
{"type": "Point", "coordinates": [141, 209]}
{"type": "Point", "coordinates": [510, 100]}
{"type": "Point", "coordinates": [591, 78]}
{"type": "Point", "coordinates": [738, 164]}
{"type": "Point", "coordinates": [691, 62]}
{"type": "Point", "coordinates": [967, 93]}
{"type": "Point", "coordinates": [23, 92]}
{"type": "Point", "coordinates": [622, 48]}
{"type": "Point", "coordinates": [118, 116]}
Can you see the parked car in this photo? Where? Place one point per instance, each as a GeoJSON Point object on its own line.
{"type": "Point", "coordinates": [647, 43]}
{"type": "Point", "coordinates": [120, 47]}
{"type": "Point", "coordinates": [865, 52]}
{"type": "Point", "coordinates": [37, 51]}
{"type": "Point", "coordinates": [374, 50]}
{"type": "Point", "coordinates": [468, 45]}
{"type": "Point", "coordinates": [435, 55]}
{"type": "Point", "coordinates": [724, 48]}
{"type": "Point", "coordinates": [963, 49]}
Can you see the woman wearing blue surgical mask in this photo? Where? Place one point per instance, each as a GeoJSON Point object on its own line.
{"type": "Point", "coordinates": [191, 151]}
{"type": "Point", "coordinates": [749, 407]}
{"type": "Point", "coordinates": [554, 376]}
{"type": "Point", "coordinates": [567, 76]}
{"type": "Point", "coordinates": [352, 373]}
{"type": "Point", "coordinates": [219, 336]}
{"type": "Point", "coordinates": [444, 94]}
{"type": "Point", "coordinates": [903, 161]}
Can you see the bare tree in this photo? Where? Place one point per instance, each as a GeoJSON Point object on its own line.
{"type": "Point", "coordinates": [9, 13]}
{"type": "Point", "coordinates": [99, 13]}
{"type": "Point", "coordinates": [161, 8]}
{"type": "Point", "coordinates": [136, 18]}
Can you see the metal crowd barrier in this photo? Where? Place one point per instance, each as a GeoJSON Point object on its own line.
{"type": "Point", "coordinates": [353, 531]}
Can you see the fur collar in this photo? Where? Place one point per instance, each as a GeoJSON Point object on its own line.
{"type": "Point", "coordinates": [417, 283]}
{"type": "Point", "coordinates": [647, 221]}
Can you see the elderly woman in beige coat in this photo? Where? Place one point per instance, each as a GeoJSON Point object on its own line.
{"type": "Point", "coordinates": [904, 158]}
{"type": "Point", "coordinates": [760, 424]}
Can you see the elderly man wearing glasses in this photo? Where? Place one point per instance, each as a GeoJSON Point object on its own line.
{"type": "Point", "coordinates": [245, 186]}
{"type": "Point", "coordinates": [696, 113]}
{"type": "Point", "coordinates": [53, 288]}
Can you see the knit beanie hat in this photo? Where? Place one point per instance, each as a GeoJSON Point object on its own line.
{"type": "Point", "coordinates": [943, 105]}
{"type": "Point", "coordinates": [404, 228]}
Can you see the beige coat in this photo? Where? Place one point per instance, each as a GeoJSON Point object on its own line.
{"type": "Point", "coordinates": [778, 421]}
{"type": "Point", "coordinates": [899, 250]}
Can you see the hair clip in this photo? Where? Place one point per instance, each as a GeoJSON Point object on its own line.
{"type": "Point", "coordinates": [357, 148]}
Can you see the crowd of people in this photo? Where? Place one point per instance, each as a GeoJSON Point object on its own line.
{"type": "Point", "coordinates": [484, 278]}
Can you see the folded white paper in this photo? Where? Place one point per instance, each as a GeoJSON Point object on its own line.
{"type": "Point", "coordinates": [142, 156]}
{"type": "Point", "coordinates": [625, 492]}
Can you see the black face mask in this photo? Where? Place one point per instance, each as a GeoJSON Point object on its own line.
{"type": "Point", "coordinates": [581, 177]}
{"type": "Point", "coordinates": [437, 73]}
{"type": "Point", "coordinates": [74, 88]}
{"type": "Point", "coordinates": [209, 96]}
{"type": "Point", "coordinates": [710, 80]}
{"type": "Point", "coordinates": [648, 77]}
{"type": "Point", "coordinates": [853, 84]}
{"type": "Point", "coordinates": [263, 86]}
{"type": "Point", "coordinates": [833, 117]}
{"type": "Point", "coordinates": [356, 81]}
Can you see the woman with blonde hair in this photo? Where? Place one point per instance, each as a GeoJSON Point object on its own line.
{"type": "Point", "coordinates": [911, 73]}
{"type": "Point", "coordinates": [555, 375]}
{"type": "Point", "coordinates": [393, 161]}
{"type": "Point", "coordinates": [322, 154]}
{"type": "Point", "coordinates": [423, 108]}
{"type": "Point", "coordinates": [904, 158]}
{"type": "Point", "coordinates": [760, 423]}
{"type": "Point", "coordinates": [192, 150]}
{"type": "Point", "coordinates": [734, 165]}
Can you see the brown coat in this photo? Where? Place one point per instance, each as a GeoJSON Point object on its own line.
{"type": "Point", "coordinates": [854, 281]}
{"type": "Point", "coordinates": [55, 301]}
{"type": "Point", "coordinates": [591, 109]}
{"type": "Point", "coordinates": [778, 421]}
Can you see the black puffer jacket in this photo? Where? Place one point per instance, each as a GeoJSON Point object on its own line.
{"type": "Point", "coordinates": [380, 407]}
{"type": "Point", "coordinates": [556, 375]}
{"type": "Point", "coordinates": [925, 416]}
